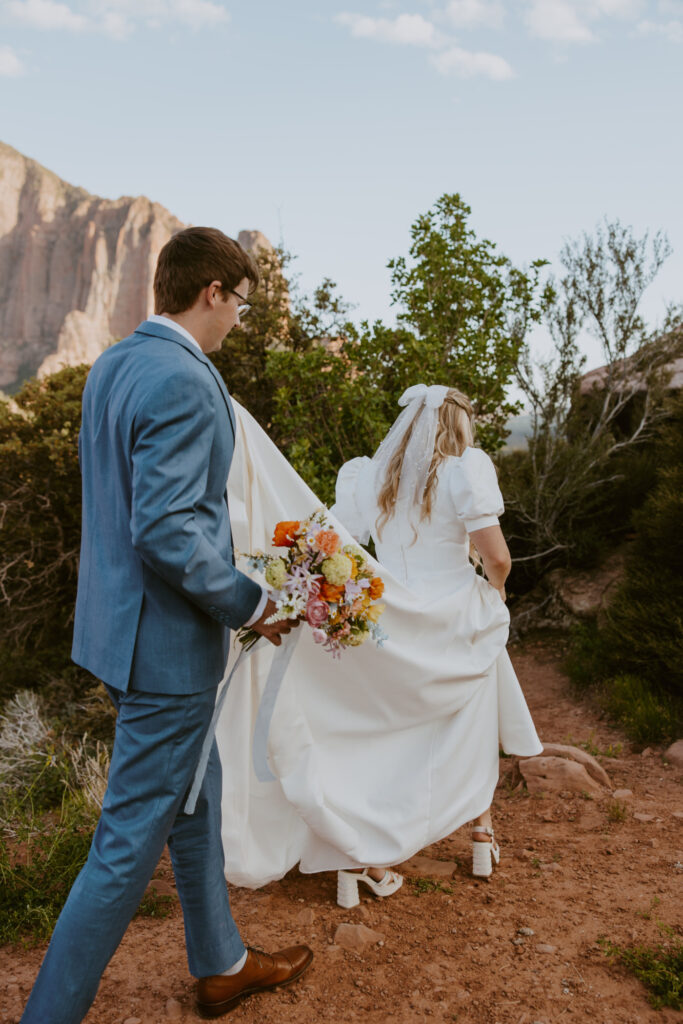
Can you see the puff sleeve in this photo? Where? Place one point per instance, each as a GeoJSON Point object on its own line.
{"type": "Point", "coordinates": [475, 491]}
{"type": "Point", "coordinates": [347, 507]}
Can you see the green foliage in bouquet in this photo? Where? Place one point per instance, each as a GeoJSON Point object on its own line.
{"type": "Point", "coordinates": [40, 521]}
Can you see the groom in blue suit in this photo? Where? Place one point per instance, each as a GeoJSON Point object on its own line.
{"type": "Point", "coordinates": [158, 592]}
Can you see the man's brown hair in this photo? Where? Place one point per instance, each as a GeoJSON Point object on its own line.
{"type": "Point", "coordinates": [194, 258]}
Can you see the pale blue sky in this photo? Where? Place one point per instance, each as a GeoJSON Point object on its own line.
{"type": "Point", "coordinates": [334, 124]}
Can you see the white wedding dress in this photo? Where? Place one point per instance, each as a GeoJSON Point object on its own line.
{"type": "Point", "coordinates": [380, 753]}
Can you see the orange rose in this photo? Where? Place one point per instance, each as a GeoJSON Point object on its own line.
{"type": "Point", "coordinates": [327, 541]}
{"type": "Point", "coordinates": [283, 537]}
{"type": "Point", "coordinates": [330, 592]}
{"type": "Point", "coordinates": [376, 588]}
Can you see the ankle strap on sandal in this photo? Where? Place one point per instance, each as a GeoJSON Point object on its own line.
{"type": "Point", "coordinates": [482, 828]}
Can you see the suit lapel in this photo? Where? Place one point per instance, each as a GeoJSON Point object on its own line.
{"type": "Point", "coordinates": [225, 394]}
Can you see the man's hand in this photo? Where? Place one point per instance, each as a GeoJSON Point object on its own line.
{"type": "Point", "coordinates": [273, 631]}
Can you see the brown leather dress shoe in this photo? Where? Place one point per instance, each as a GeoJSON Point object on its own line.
{"type": "Point", "coordinates": [220, 993]}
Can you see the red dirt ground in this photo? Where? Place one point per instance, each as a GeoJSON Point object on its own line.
{"type": "Point", "coordinates": [568, 872]}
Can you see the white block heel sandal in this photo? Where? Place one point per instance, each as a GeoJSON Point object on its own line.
{"type": "Point", "coordinates": [347, 885]}
{"type": "Point", "coordinates": [484, 854]}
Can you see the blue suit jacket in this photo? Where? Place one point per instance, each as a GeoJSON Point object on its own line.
{"type": "Point", "coordinates": [157, 587]}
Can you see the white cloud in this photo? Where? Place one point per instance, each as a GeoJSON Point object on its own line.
{"type": "Point", "coordinates": [467, 64]}
{"type": "Point", "coordinates": [46, 14]}
{"type": "Point", "coordinates": [671, 30]}
{"type": "Point", "coordinates": [414, 30]}
{"type": "Point", "coordinates": [571, 21]}
{"type": "Point", "coordinates": [118, 18]}
{"type": "Point", "coordinates": [614, 8]}
{"type": "Point", "coordinates": [405, 29]}
{"type": "Point", "coordinates": [199, 13]}
{"type": "Point", "coordinates": [470, 13]}
{"type": "Point", "coordinates": [11, 66]}
{"type": "Point", "coordinates": [558, 21]}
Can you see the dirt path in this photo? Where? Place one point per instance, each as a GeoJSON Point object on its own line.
{"type": "Point", "coordinates": [454, 953]}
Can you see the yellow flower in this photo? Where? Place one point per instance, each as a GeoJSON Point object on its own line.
{"type": "Point", "coordinates": [374, 611]}
{"type": "Point", "coordinates": [276, 574]}
{"type": "Point", "coordinates": [337, 569]}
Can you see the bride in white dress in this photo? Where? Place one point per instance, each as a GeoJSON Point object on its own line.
{"type": "Point", "coordinates": [375, 756]}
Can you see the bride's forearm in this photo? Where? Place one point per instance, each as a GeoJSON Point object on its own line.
{"type": "Point", "coordinates": [494, 554]}
{"type": "Point", "coordinates": [497, 573]}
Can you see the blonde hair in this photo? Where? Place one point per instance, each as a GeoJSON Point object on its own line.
{"type": "Point", "coordinates": [454, 433]}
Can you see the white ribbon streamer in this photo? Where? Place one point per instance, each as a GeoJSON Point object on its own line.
{"type": "Point", "coordinates": [281, 659]}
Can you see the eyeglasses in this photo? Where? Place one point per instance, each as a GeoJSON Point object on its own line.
{"type": "Point", "coordinates": [244, 308]}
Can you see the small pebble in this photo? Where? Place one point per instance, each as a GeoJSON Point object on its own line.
{"type": "Point", "coordinates": [544, 947]}
{"type": "Point", "coordinates": [174, 1010]}
{"type": "Point", "coordinates": [525, 931]}
{"type": "Point", "coordinates": [639, 816]}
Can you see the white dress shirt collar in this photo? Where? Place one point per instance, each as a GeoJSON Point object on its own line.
{"type": "Point", "coordinates": [166, 321]}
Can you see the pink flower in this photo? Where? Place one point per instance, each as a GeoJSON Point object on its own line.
{"type": "Point", "coordinates": [317, 612]}
{"type": "Point", "coordinates": [319, 636]}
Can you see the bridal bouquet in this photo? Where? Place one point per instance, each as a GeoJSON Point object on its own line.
{"type": "Point", "coordinates": [331, 585]}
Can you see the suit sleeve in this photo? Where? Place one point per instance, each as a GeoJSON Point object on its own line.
{"type": "Point", "coordinates": [173, 436]}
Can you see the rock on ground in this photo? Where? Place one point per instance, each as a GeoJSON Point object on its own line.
{"type": "Point", "coordinates": [674, 754]}
{"type": "Point", "coordinates": [593, 767]}
{"type": "Point", "coordinates": [554, 774]}
{"type": "Point", "coordinates": [356, 936]}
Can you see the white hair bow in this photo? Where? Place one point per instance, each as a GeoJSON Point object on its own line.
{"type": "Point", "coordinates": [433, 395]}
{"type": "Point", "coordinates": [420, 415]}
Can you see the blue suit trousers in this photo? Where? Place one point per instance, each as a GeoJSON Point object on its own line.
{"type": "Point", "coordinates": [156, 750]}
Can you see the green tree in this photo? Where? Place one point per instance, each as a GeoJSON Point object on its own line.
{"type": "Point", "coordinates": [469, 309]}
{"type": "Point", "coordinates": [280, 320]}
{"type": "Point", "coordinates": [465, 311]}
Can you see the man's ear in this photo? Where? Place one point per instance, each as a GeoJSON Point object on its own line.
{"type": "Point", "coordinates": [212, 292]}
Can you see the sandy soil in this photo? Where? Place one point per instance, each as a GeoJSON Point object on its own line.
{"type": "Point", "coordinates": [568, 873]}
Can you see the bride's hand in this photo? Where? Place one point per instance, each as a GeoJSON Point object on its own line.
{"type": "Point", "coordinates": [273, 631]}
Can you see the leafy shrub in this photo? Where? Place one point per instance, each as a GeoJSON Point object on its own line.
{"type": "Point", "coordinates": [660, 968]}
{"type": "Point", "coordinates": [39, 529]}
{"type": "Point", "coordinates": [39, 862]}
{"type": "Point", "coordinates": [634, 655]}
{"type": "Point", "coordinates": [646, 714]}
